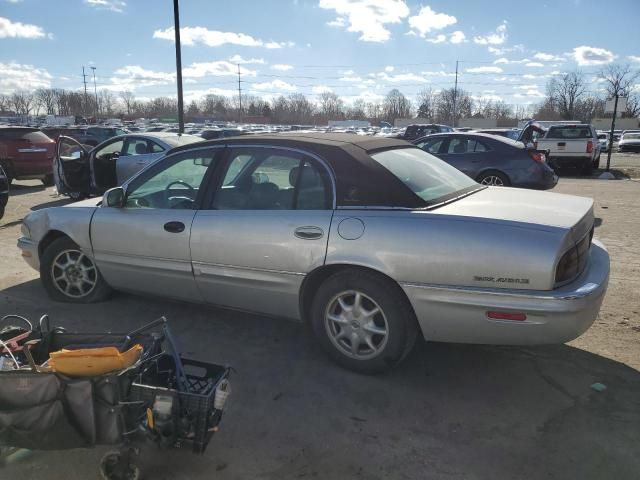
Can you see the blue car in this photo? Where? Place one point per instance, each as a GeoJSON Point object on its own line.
{"type": "Point", "coordinates": [492, 159]}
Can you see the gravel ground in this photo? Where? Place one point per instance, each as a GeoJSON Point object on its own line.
{"type": "Point", "coordinates": [450, 412]}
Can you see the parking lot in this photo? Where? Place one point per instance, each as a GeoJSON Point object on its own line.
{"type": "Point", "coordinates": [450, 411]}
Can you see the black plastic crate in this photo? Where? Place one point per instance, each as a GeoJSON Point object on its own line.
{"type": "Point", "coordinates": [194, 411]}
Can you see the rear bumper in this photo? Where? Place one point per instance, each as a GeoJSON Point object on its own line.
{"type": "Point", "coordinates": [27, 169]}
{"type": "Point", "coordinates": [575, 162]}
{"type": "Point", "coordinates": [459, 314]}
{"type": "Point", "coordinates": [29, 250]}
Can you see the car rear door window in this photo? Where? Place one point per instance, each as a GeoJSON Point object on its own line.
{"type": "Point", "coordinates": [270, 179]}
{"type": "Point", "coordinates": [432, 146]}
{"type": "Point", "coordinates": [480, 147]}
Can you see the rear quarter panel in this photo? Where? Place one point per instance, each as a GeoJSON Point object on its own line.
{"type": "Point", "coordinates": [424, 248]}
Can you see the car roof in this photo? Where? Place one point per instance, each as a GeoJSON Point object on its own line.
{"type": "Point", "coordinates": [359, 179]}
{"type": "Point", "coordinates": [487, 136]}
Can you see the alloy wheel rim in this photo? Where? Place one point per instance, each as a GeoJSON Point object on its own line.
{"type": "Point", "coordinates": [356, 325]}
{"type": "Point", "coordinates": [74, 274]}
{"type": "Point", "coordinates": [492, 180]}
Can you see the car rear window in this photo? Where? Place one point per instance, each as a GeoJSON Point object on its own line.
{"type": "Point", "coordinates": [34, 137]}
{"type": "Point", "coordinates": [430, 178]}
{"type": "Point", "coordinates": [569, 132]}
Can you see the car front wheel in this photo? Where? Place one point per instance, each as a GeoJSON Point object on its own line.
{"type": "Point", "coordinates": [69, 275]}
{"type": "Point", "coordinates": [363, 322]}
{"type": "Point", "coordinates": [494, 178]}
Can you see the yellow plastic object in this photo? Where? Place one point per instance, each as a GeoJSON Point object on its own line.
{"type": "Point", "coordinates": [88, 362]}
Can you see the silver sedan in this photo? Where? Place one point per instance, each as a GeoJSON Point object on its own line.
{"type": "Point", "coordinates": [371, 240]}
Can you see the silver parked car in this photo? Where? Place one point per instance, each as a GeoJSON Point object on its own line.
{"type": "Point", "coordinates": [80, 171]}
{"type": "Point", "coordinates": [371, 240]}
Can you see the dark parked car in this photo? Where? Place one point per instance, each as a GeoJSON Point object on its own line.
{"type": "Point", "coordinates": [512, 133]}
{"type": "Point", "coordinates": [214, 134]}
{"type": "Point", "coordinates": [420, 130]}
{"type": "Point", "coordinates": [4, 191]}
{"type": "Point", "coordinates": [26, 154]}
{"type": "Point", "coordinates": [491, 159]}
{"type": "Point", "coordinates": [95, 135]}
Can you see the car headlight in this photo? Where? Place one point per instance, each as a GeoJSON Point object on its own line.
{"type": "Point", "coordinates": [25, 230]}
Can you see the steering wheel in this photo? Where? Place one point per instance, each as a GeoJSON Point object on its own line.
{"type": "Point", "coordinates": [167, 190]}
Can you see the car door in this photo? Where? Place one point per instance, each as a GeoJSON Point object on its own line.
{"type": "Point", "coordinates": [267, 226]}
{"type": "Point", "coordinates": [144, 246]}
{"type": "Point", "coordinates": [457, 154]}
{"type": "Point", "coordinates": [137, 153]}
{"type": "Point", "coordinates": [71, 166]}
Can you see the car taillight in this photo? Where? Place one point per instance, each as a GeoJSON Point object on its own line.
{"type": "Point", "coordinates": [567, 266]}
{"type": "Point", "coordinates": [589, 146]}
{"type": "Point", "coordinates": [537, 156]}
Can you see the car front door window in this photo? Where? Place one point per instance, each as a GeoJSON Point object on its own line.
{"type": "Point", "coordinates": [174, 186]}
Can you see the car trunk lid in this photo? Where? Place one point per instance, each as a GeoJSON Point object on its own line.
{"type": "Point", "coordinates": [545, 209]}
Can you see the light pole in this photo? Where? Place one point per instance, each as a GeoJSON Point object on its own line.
{"type": "Point", "coordinates": [95, 91]}
{"type": "Point", "coordinates": [176, 21]}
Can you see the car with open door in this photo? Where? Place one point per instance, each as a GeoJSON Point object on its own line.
{"type": "Point", "coordinates": [80, 172]}
{"type": "Point", "coordinates": [373, 241]}
{"type": "Point", "coordinates": [4, 191]}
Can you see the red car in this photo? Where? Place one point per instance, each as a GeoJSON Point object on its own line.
{"type": "Point", "coordinates": [26, 154]}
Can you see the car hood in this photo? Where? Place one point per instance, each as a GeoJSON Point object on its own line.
{"type": "Point", "coordinates": [543, 209]}
{"type": "Point", "coordinates": [89, 202]}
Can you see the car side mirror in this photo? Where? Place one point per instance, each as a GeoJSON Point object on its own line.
{"type": "Point", "coordinates": [114, 197]}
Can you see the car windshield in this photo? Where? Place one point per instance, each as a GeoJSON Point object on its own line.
{"type": "Point", "coordinates": [427, 176]}
{"type": "Point", "coordinates": [631, 136]}
{"type": "Point", "coordinates": [569, 132]}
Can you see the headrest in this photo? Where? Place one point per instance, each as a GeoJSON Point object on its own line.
{"type": "Point", "coordinates": [141, 148]}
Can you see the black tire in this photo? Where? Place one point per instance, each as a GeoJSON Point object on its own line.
{"type": "Point", "coordinates": [77, 196]}
{"type": "Point", "coordinates": [493, 176]}
{"type": "Point", "coordinates": [114, 467]}
{"type": "Point", "coordinates": [1, 212]}
{"type": "Point", "coordinates": [47, 181]}
{"type": "Point", "coordinates": [587, 170]}
{"type": "Point", "coordinates": [98, 292]}
{"type": "Point", "coordinates": [396, 315]}
{"type": "Point", "coordinates": [596, 163]}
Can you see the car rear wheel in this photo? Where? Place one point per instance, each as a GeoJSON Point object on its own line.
{"type": "Point", "coordinates": [363, 322]}
{"type": "Point", "coordinates": [587, 170]}
{"type": "Point", "coordinates": [69, 275]}
{"type": "Point", "coordinates": [494, 178]}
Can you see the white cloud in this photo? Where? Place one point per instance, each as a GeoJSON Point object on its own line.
{"type": "Point", "coordinates": [281, 67]}
{"type": "Point", "coordinates": [277, 85]}
{"type": "Point", "coordinates": [458, 37]}
{"type": "Point", "coordinates": [16, 76]}
{"type": "Point", "coordinates": [318, 89]}
{"type": "Point", "coordinates": [131, 77]}
{"type": "Point", "coordinates": [534, 92]}
{"type": "Point", "coordinates": [584, 56]}
{"type": "Point", "coordinates": [547, 57]}
{"type": "Point", "coordinates": [389, 68]}
{"type": "Point", "coordinates": [534, 64]}
{"type": "Point", "coordinates": [484, 70]}
{"type": "Point", "coordinates": [350, 78]}
{"type": "Point", "coordinates": [401, 77]}
{"type": "Point", "coordinates": [503, 50]}
{"type": "Point", "coordinates": [218, 68]}
{"type": "Point", "coordinates": [347, 72]}
{"type": "Point", "coordinates": [438, 39]}
{"type": "Point", "coordinates": [367, 17]}
{"type": "Point", "coordinates": [273, 45]}
{"type": "Point", "coordinates": [528, 76]}
{"type": "Point", "coordinates": [634, 58]}
{"type": "Point", "coordinates": [213, 38]}
{"type": "Point", "coordinates": [9, 29]}
{"type": "Point", "coordinates": [526, 87]}
{"type": "Point", "coordinates": [496, 38]}
{"type": "Point", "coordinates": [240, 59]}
{"type": "Point", "coordinates": [113, 5]}
{"type": "Point", "coordinates": [505, 61]}
{"type": "Point", "coordinates": [438, 73]}
{"type": "Point", "coordinates": [428, 20]}
{"type": "Point", "coordinates": [488, 95]}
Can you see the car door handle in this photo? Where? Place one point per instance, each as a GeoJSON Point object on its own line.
{"type": "Point", "coordinates": [308, 233]}
{"type": "Point", "coordinates": [174, 227]}
{"type": "Point", "coordinates": [562, 144]}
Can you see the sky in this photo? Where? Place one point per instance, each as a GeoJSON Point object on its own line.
{"type": "Point", "coordinates": [360, 49]}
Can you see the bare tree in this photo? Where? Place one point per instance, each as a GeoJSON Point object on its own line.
{"type": "Point", "coordinates": [330, 106]}
{"type": "Point", "coordinates": [566, 91]}
{"type": "Point", "coordinates": [128, 99]}
{"type": "Point", "coordinates": [396, 105]}
{"type": "Point", "coordinates": [620, 80]}
{"type": "Point", "coordinates": [445, 102]}
{"type": "Point", "coordinates": [107, 102]}
{"type": "Point", "coordinates": [22, 102]}
{"type": "Point", "coordinates": [45, 97]}
{"type": "Point", "coordinates": [357, 111]}
{"type": "Point", "coordinates": [426, 103]}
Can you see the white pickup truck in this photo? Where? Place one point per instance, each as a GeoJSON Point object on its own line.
{"type": "Point", "coordinates": [571, 146]}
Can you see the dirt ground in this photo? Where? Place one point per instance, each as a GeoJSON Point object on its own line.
{"type": "Point", "coordinates": [449, 412]}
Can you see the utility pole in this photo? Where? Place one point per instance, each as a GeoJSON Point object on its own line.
{"type": "Point", "coordinates": [95, 91]}
{"type": "Point", "coordinates": [613, 127]}
{"type": "Point", "coordinates": [455, 96]}
{"type": "Point", "coordinates": [86, 100]}
{"type": "Point", "coordinates": [239, 95]}
{"type": "Point", "coordinates": [176, 27]}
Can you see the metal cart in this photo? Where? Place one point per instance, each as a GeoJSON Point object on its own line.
{"type": "Point", "coordinates": [162, 398]}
